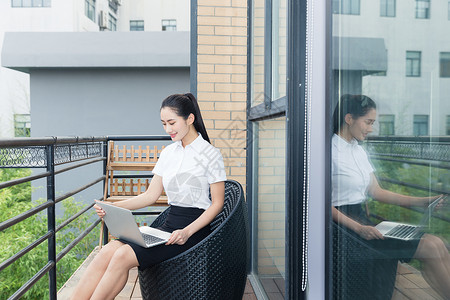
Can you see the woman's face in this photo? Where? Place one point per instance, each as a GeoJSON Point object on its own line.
{"type": "Point", "coordinates": [359, 128]}
{"type": "Point", "coordinates": [174, 125]}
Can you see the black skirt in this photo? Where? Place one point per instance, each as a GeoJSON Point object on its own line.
{"type": "Point", "coordinates": [402, 250]}
{"type": "Point", "coordinates": [178, 218]}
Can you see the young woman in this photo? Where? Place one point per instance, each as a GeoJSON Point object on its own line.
{"type": "Point", "coordinates": [353, 180]}
{"type": "Point", "coordinates": [188, 170]}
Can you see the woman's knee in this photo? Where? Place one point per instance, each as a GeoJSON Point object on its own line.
{"type": "Point", "coordinates": [124, 256]}
{"type": "Point", "coordinates": [431, 246]}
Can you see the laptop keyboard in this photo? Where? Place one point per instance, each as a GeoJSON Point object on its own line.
{"type": "Point", "coordinates": [401, 231]}
{"type": "Point", "coordinates": [151, 239]}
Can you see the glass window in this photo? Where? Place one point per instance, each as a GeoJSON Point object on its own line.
{"type": "Point", "coordinates": [258, 49]}
{"type": "Point", "coordinates": [448, 125]}
{"type": "Point", "coordinates": [269, 210]}
{"type": "Point", "coordinates": [136, 25]}
{"type": "Point", "coordinates": [401, 149]}
{"type": "Point", "coordinates": [112, 23]}
{"type": "Point", "coordinates": [448, 10]}
{"type": "Point", "coordinates": [444, 64]}
{"type": "Point", "coordinates": [169, 25]}
{"type": "Point", "coordinates": [387, 124]}
{"type": "Point", "coordinates": [279, 34]}
{"type": "Point", "coordinates": [22, 125]}
{"type": "Point", "coordinates": [387, 8]}
{"type": "Point", "coordinates": [420, 125]}
{"type": "Point", "coordinates": [413, 62]}
{"type": "Point", "coordinates": [422, 9]}
{"type": "Point", "coordinates": [89, 9]}
{"type": "Point", "coordinates": [346, 7]}
{"type": "Point", "coordinates": [31, 3]}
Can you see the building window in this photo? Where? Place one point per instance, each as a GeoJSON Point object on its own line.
{"type": "Point", "coordinates": [346, 7]}
{"type": "Point", "coordinates": [387, 124]}
{"type": "Point", "coordinates": [112, 23]}
{"type": "Point", "coordinates": [31, 3]}
{"type": "Point", "coordinates": [447, 130]}
{"type": "Point", "coordinates": [448, 10]}
{"type": "Point", "coordinates": [89, 9]}
{"type": "Point", "coordinates": [169, 25]}
{"type": "Point", "coordinates": [422, 9]}
{"type": "Point", "coordinates": [22, 125]}
{"type": "Point", "coordinates": [444, 64]}
{"type": "Point", "coordinates": [413, 59]}
{"type": "Point", "coordinates": [137, 25]}
{"type": "Point", "coordinates": [420, 125]}
{"type": "Point", "coordinates": [387, 8]}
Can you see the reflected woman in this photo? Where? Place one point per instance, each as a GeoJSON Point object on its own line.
{"type": "Point", "coordinates": [353, 180]}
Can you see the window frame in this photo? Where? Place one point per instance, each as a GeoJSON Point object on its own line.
{"type": "Point", "coordinates": [411, 66]}
{"type": "Point", "coordinates": [444, 72]}
{"type": "Point", "coordinates": [169, 24]}
{"type": "Point", "coordinates": [424, 10]}
{"type": "Point", "coordinates": [417, 123]}
{"type": "Point", "coordinates": [137, 25]}
{"type": "Point", "coordinates": [33, 4]}
{"type": "Point", "coordinates": [385, 8]}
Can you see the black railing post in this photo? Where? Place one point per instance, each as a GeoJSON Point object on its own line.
{"type": "Point", "coordinates": [51, 219]}
{"type": "Point", "coordinates": [105, 163]}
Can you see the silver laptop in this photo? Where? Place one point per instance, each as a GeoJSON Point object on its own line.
{"type": "Point", "coordinates": [122, 225]}
{"type": "Point", "coordinates": [406, 232]}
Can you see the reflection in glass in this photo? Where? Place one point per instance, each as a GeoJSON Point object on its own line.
{"type": "Point", "coordinates": [403, 64]}
{"type": "Point", "coordinates": [279, 32]}
{"type": "Point", "coordinates": [257, 84]}
{"type": "Point", "coordinates": [270, 205]}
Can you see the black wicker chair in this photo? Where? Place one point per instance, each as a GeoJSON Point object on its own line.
{"type": "Point", "coordinates": [359, 271]}
{"type": "Point", "coordinates": [215, 268]}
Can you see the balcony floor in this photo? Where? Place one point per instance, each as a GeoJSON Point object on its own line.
{"type": "Point", "coordinates": [409, 285]}
{"type": "Point", "coordinates": [131, 290]}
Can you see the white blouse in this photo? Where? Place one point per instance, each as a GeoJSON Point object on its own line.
{"type": "Point", "coordinates": [188, 171]}
{"type": "Point", "coordinates": [351, 171]}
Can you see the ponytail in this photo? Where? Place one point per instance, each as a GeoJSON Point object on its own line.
{"type": "Point", "coordinates": [184, 105]}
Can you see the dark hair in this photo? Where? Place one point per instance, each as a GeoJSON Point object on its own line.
{"type": "Point", "coordinates": [183, 106]}
{"type": "Point", "coordinates": [355, 105]}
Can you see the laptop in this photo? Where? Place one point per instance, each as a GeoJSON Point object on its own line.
{"type": "Point", "coordinates": [406, 232]}
{"type": "Point", "coordinates": [122, 225]}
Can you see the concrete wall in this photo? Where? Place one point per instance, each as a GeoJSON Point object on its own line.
{"type": "Point", "coordinates": [90, 102]}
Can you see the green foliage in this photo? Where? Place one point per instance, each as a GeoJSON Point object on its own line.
{"type": "Point", "coordinates": [16, 200]}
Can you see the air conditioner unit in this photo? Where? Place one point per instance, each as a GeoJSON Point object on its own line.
{"type": "Point", "coordinates": [103, 20]}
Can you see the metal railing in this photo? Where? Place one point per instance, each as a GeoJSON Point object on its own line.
{"type": "Point", "coordinates": [48, 153]}
{"type": "Point", "coordinates": [430, 152]}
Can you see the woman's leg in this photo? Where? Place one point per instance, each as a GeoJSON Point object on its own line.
{"type": "Point", "coordinates": [435, 263]}
{"type": "Point", "coordinates": [116, 275]}
{"type": "Point", "coordinates": [95, 271]}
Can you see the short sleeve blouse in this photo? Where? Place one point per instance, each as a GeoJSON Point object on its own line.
{"type": "Point", "coordinates": [351, 170]}
{"type": "Point", "coordinates": [187, 172]}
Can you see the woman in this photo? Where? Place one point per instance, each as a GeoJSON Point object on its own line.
{"type": "Point", "coordinates": [353, 180]}
{"type": "Point", "coordinates": [188, 170]}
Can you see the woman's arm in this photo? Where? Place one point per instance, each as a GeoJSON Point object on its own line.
{"type": "Point", "coordinates": [147, 198]}
{"type": "Point", "coordinates": [382, 195]}
{"type": "Point", "coordinates": [217, 197]}
{"type": "Point", "coordinates": [365, 231]}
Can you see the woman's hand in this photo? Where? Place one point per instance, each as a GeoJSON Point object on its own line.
{"type": "Point", "coordinates": [100, 212]}
{"type": "Point", "coordinates": [178, 237]}
{"type": "Point", "coordinates": [369, 233]}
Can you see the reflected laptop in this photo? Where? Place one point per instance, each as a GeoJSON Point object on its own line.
{"type": "Point", "coordinates": [406, 232]}
{"type": "Point", "coordinates": [122, 225]}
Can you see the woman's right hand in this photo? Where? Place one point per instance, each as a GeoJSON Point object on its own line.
{"type": "Point", "coordinates": [369, 233]}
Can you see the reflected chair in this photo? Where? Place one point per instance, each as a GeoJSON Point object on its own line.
{"type": "Point", "coordinates": [215, 268]}
{"type": "Point", "coordinates": [359, 271]}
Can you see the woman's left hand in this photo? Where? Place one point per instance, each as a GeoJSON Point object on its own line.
{"type": "Point", "coordinates": [178, 237]}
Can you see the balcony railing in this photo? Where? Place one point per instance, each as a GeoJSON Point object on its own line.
{"type": "Point", "coordinates": [56, 155]}
{"type": "Point", "coordinates": [430, 153]}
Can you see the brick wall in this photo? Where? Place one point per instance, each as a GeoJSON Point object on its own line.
{"type": "Point", "coordinates": [222, 78]}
